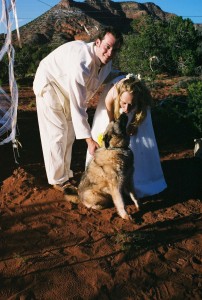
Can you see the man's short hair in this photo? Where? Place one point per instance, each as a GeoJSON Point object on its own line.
{"type": "Point", "coordinates": [103, 30]}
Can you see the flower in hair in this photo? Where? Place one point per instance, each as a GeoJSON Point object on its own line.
{"type": "Point", "coordinates": [131, 75]}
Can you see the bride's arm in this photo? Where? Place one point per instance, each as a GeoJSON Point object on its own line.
{"type": "Point", "coordinates": [109, 103]}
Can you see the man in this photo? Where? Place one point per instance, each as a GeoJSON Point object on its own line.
{"type": "Point", "coordinates": [65, 81]}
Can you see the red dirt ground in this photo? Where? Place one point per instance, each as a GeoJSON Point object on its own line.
{"type": "Point", "coordinates": [54, 250]}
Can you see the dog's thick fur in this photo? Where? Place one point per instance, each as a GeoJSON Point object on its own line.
{"type": "Point", "coordinates": [109, 174]}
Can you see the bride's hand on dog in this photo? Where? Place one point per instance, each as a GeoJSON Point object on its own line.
{"type": "Point", "coordinates": [92, 145]}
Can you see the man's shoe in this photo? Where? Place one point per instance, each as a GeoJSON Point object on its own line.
{"type": "Point", "coordinates": [71, 190]}
{"type": "Point", "coordinates": [61, 187]}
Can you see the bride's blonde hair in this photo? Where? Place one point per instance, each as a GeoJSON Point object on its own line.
{"type": "Point", "coordinates": [141, 101]}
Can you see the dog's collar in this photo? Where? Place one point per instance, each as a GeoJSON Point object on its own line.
{"type": "Point", "coordinates": [117, 148]}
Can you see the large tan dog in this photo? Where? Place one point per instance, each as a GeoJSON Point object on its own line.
{"type": "Point", "coordinates": [109, 174]}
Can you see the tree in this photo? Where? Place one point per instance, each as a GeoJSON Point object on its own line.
{"type": "Point", "coordinates": [28, 58]}
{"type": "Point", "coordinates": [172, 43]}
{"type": "Point", "coordinates": [182, 44]}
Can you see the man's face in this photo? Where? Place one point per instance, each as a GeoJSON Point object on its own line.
{"type": "Point", "coordinates": [106, 48]}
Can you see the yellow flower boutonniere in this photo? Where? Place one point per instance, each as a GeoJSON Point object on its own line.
{"type": "Point", "coordinates": [100, 139]}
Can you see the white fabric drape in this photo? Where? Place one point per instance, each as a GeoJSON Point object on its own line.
{"type": "Point", "coordinates": [9, 103]}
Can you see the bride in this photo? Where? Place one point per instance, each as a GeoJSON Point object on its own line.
{"type": "Point", "coordinates": [128, 94]}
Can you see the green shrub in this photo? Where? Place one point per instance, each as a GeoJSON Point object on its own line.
{"type": "Point", "coordinates": [173, 43]}
{"type": "Point", "coordinates": [194, 103]}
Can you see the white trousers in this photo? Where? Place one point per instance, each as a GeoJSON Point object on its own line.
{"type": "Point", "coordinates": [57, 135]}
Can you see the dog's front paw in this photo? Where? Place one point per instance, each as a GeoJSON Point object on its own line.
{"type": "Point", "coordinates": [71, 198]}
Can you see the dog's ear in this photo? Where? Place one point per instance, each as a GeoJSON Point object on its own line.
{"type": "Point", "coordinates": [106, 140]}
{"type": "Point", "coordinates": [108, 134]}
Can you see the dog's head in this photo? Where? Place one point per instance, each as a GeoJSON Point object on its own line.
{"type": "Point", "coordinates": [115, 135]}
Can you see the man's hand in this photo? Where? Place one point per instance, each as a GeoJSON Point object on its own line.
{"type": "Point", "coordinates": [92, 145]}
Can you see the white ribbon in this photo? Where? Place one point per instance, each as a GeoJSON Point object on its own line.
{"type": "Point", "coordinates": [9, 103]}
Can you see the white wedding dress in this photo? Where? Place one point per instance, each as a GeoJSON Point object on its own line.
{"type": "Point", "coordinates": [148, 176]}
